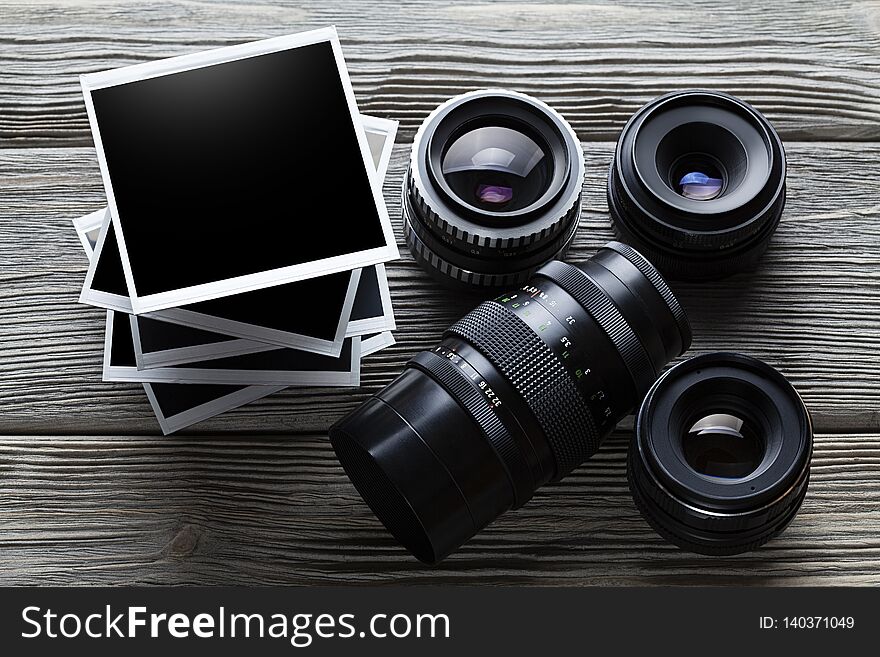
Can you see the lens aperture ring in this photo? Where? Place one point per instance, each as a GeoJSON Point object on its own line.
{"type": "Point", "coordinates": [416, 235]}
{"type": "Point", "coordinates": [594, 300]}
{"type": "Point", "coordinates": [475, 403]}
{"type": "Point", "coordinates": [431, 262]}
{"type": "Point", "coordinates": [536, 373]}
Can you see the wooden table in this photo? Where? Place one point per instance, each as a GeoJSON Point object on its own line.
{"type": "Point", "coordinates": [90, 493]}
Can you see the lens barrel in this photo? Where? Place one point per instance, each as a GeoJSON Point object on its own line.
{"type": "Point", "coordinates": [518, 392]}
{"type": "Point", "coordinates": [697, 184]}
{"type": "Point", "coordinates": [493, 189]}
{"type": "Point", "coordinates": [720, 458]}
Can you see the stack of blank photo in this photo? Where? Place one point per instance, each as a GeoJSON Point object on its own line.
{"type": "Point", "coordinates": [242, 247]}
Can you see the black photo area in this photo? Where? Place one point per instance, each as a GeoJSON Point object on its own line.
{"type": "Point", "coordinates": [252, 165]}
{"type": "Point", "coordinates": [368, 300]}
{"type": "Point", "coordinates": [292, 360]}
{"type": "Point", "coordinates": [175, 398]}
{"type": "Point", "coordinates": [273, 307]}
{"type": "Point", "coordinates": [156, 335]}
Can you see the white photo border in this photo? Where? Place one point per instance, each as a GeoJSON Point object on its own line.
{"type": "Point", "coordinates": [370, 344]}
{"type": "Point", "coordinates": [196, 375]}
{"type": "Point", "coordinates": [147, 360]}
{"type": "Point", "coordinates": [120, 303]}
{"type": "Point", "coordinates": [178, 421]}
{"type": "Point", "coordinates": [379, 323]}
{"type": "Point", "coordinates": [387, 128]}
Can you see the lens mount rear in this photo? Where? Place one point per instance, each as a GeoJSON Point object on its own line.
{"type": "Point", "coordinates": [720, 457]}
{"type": "Point", "coordinates": [697, 184]}
{"type": "Point", "coordinates": [493, 189]}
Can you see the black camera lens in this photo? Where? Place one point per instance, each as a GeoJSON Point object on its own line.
{"type": "Point", "coordinates": [493, 189]}
{"type": "Point", "coordinates": [697, 184]}
{"type": "Point", "coordinates": [519, 392]}
{"type": "Point", "coordinates": [721, 451]}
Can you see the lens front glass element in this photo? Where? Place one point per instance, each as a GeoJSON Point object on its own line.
{"type": "Point", "coordinates": [723, 445]}
{"type": "Point", "coordinates": [697, 177]}
{"type": "Point", "coordinates": [497, 169]}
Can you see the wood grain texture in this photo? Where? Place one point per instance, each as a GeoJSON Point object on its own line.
{"type": "Point", "coordinates": [810, 65]}
{"type": "Point", "coordinates": [90, 495]}
{"type": "Point", "coordinates": [256, 510]}
{"type": "Point", "coordinates": [813, 309]}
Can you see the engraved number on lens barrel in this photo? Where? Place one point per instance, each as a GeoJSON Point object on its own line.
{"type": "Point", "coordinates": [470, 373]}
{"type": "Point", "coordinates": [534, 307]}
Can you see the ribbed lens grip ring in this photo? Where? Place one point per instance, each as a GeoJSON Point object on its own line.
{"type": "Point", "coordinates": [441, 267]}
{"type": "Point", "coordinates": [538, 376]}
{"type": "Point", "coordinates": [650, 272]}
{"type": "Point", "coordinates": [693, 264]}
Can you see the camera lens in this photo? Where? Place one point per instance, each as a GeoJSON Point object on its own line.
{"type": "Point", "coordinates": [493, 189]}
{"type": "Point", "coordinates": [721, 454]}
{"type": "Point", "coordinates": [518, 392]}
{"type": "Point", "coordinates": [697, 184]}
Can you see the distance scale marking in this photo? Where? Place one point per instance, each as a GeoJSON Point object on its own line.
{"type": "Point", "coordinates": [535, 307]}
{"type": "Point", "coordinates": [470, 373]}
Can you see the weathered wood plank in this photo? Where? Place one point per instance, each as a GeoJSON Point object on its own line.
{"type": "Point", "coordinates": [811, 66]}
{"type": "Point", "coordinates": [93, 510]}
{"type": "Point", "coordinates": [813, 309]}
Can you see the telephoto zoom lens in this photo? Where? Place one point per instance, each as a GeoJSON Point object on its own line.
{"type": "Point", "coordinates": [720, 458]}
{"type": "Point", "coordinates": [518, 393]}
{"type": "Point", "coordinates": [697, 184]}
{"type": "Point", "coordinates": [493, 189]}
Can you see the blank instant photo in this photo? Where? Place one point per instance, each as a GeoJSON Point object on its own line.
{"type": "Point", "coordinates": [267, 315]}
{"type": "Point", "coordinates": [287, 367]}
{"type": "Point", "coordinates": [164, 344]}
{"type": "Point", "coordinates": [240, 316]}
{"type": "Point", "coordinates": [261, 138]}
{"type": "Point", "coordinates": [156, 344]}
{"type": "Point", "coordinates": [179, 406]}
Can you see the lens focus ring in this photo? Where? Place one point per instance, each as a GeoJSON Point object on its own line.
{"type": "Point", "coordinates": [697, 184]}
{"type": "Point", "coordinates": [536, 373]}
{"type": "Point", "coordinates": [649, 272]}
{"type": "Point", "coordinates": [493, 189]}
{"type": "Point", "coordinates": [435, 264]}
{"type": "Point", "coordinates": [691, 469]}
{"type": "Point", "coordinates": [595, 302]}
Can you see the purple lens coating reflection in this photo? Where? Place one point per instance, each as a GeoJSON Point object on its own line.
{"type": "Point", "coordinates": [699, 186]}
{"type": "Point", "coordinates": [494, 193]}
